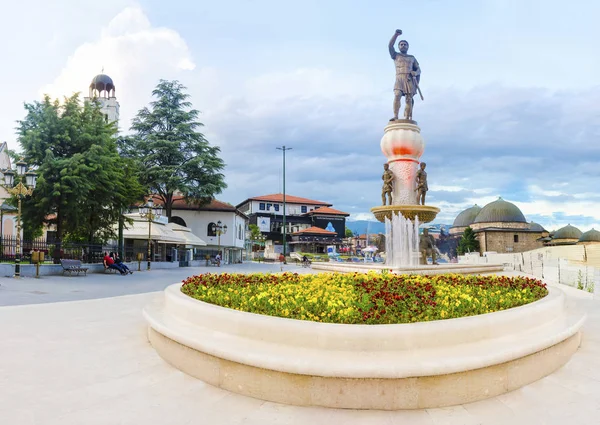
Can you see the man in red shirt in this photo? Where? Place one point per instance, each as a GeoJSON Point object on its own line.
{"type": "Point", "coordinates": [109, 263]}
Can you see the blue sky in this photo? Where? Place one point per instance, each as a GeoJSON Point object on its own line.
{"type": "Point", "coordinates": [511, 90]}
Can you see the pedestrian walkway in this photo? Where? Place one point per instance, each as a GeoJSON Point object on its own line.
{"type": "Point", "coordinates": [48, 289]}
{"type": "Point", "coordinates": [88, 362]}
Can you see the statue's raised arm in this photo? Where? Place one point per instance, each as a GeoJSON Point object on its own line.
{"type": "Point", "coordinates": [392, 42]}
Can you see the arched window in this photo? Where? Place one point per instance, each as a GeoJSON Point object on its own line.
{"type": "Point", "coordinates": [178, 220]}
{"type": "Point", "coordinates": [210, 230]}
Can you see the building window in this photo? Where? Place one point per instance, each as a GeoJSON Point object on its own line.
{"type": "Point", "coordinates": [178, 220]}
{"type": "Point", "coordinates": [516, 238]}
{"type": "Point", "coordinates": [303, 209]}
{"type": "Point", "coordinates": [269, 207]}
{"type": "Point", "coordinates": [276, 206]}
{"type": "Point", "coordinates": [210, 230]}
{"type": "Point", "coordinates": [261, 206]}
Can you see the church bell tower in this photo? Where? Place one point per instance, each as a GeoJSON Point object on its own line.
{"type": "Point", "coordinates": [102, 89]}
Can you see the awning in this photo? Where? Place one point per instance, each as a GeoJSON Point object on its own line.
{"type": "Point", "coordinates": [191, 240]}
{"type": "Point", "coordinates": [158, 231]}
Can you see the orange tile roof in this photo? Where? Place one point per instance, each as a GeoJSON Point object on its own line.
{"type": "Point", "coordinates": [278, 197]}
{"type": "Point", "coordinates": [327, 210]}
{"type": "Point", "coordinates": [315, 230]}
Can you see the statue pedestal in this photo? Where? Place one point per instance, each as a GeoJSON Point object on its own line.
{"type": "Point", "coordinates": [403, 145]}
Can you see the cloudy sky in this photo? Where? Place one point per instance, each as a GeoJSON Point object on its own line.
{"type": "Point", "coordinates": [512, 90]}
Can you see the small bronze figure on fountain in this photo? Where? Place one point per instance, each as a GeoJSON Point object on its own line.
{"type": "Point", "coordinates": [388, 184]}
{"type": "Point", "coordinates": [408, 76]}
{"type": "Point", "coordinates": [422, 187]}
{"type": "Point", "coordinates": [427, 247]}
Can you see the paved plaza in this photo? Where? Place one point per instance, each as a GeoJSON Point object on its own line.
{"type": "Point", "coordinates": [74, 351]}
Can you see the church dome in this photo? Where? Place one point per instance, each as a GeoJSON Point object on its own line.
{"type": "Point", "coordinates": [466, 217]}
{"type": "Point", "coordinates": [102, 82]}
{"type": "Point", "coordinates": [590, 236]}
{"type": "Point", "coordinates": [535, 227]}
{"type": "Point", "coordinates": [567, 232]}
{"type": "Point", "coordinates": [500, 211]}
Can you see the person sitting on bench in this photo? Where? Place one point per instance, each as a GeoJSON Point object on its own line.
{"type": "Point", "coordinates": [120, 262]}
{"type": "Point", "coordinates": [109, 263]}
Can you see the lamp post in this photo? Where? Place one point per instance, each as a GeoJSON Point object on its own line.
{"type": "Point", "coordinates": [219, 229]}
{"type": "Point", "coordinates": [283, 149]}
{"type": "Point", "coordinates": [20, 190]}
{"type": "Point", "coordinates": [150, 212]}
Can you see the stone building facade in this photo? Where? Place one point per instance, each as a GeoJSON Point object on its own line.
{"type": "Point", "coordinates": [501, 227]}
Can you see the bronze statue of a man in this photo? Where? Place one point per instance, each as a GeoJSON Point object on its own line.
{"type": "Point", "coordinates": [408, 75]}
{"type": "Point", "coordinates": [388, 187]}
{"type": "Point", "coordinates": [422, 187]}
{"type": "Point", "coordinates": [427, 247]}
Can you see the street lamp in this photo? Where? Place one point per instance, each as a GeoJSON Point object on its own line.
{"type": "Point", "coordinates": [219, 229]}
{"type": "Point", "coordinates": [150, 212]}
{"type": "Point", "coordinates": [283, 149]}
{"type": "Point", "coordinates": [20, 190]}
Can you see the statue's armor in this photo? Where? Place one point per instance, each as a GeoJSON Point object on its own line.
{"type": "Point", "coordinates": [404, 81]}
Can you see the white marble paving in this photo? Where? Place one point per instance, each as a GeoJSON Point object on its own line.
{"type": "Point", "coordinates": [88, 362]}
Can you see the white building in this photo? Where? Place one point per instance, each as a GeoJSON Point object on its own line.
{"type": "Point", "coordinates": [102, 89]}
{"type": "Point", "coordinates": [201, 219]}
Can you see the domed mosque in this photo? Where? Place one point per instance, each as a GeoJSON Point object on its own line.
{"type": "Point", "coordinates": [589, 237]}
{"type": "Point", "coordinates": [102, 89]}
{"type": "Point", "coordinates": [567, 235]}
{"type": "Point", "coordinates": [501, 227]}
{"type": "Point", "coordinates": [464, 220]}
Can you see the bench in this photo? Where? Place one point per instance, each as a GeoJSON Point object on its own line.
{"type": "Point", "coordinates": [109, 270]}
{"type": "Point", "coordinates": [73, 266]}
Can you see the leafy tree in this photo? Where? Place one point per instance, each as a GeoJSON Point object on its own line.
{"type": "Point", "coordinates": [173, 156]}
{"type": "Point", "coordinates": [254, 231]}
{"type": "Point", "coordinates": [83, 184]}
{"type": "Point", "coordinates": [468, 242]}
{"type": "Point", "coordinates": [349, 233]}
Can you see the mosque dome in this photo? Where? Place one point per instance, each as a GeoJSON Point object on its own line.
{"type": "Point", "coordinates": [500, 211]}
{"type": "Point", "coordinates": [466, 217]}
{"type": "Point", "coordinates": [535, 227]}
{"type": "Point", "coordinates": [590, 236]}
{"type": "Point", "coordinates": [567, 232]}
{"type": "Point", "coordinates": [102, 82]}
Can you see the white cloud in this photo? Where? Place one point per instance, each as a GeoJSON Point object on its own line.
{"type": "Point", "coordinates": [133, 52]}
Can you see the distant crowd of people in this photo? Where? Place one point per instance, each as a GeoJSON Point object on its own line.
{"type": "Point", "coordinates": [113, 261]}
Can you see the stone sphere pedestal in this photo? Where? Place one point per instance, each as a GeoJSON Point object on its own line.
{"type": "Point", "coordinates": [403, 145]}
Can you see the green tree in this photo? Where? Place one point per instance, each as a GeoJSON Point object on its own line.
{"type": "Point", "coordinates": [83, 184]}
{"type": "Point", "coordinates": [349, 233]}
{"type": "Point", "coordinates": [468, 242]}
{"type": "Point", "coordinates": [173, 156]}
{"type": "Point", "coordinates": [254, 231]}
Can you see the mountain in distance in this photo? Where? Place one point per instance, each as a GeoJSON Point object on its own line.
{"type": "Point", "coordinates": [360, 227]}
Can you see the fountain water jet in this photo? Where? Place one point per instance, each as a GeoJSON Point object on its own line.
{"type": "Point", "coordinates": [401, 241]}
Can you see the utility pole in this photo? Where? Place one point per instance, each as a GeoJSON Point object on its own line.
{"type": "Point", "coordinates": [283, 149]}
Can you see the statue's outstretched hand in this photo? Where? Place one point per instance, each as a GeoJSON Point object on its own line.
{"type": "Point", "coordinates": [399, 32]}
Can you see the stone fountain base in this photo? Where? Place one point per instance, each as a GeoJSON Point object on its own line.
{"type": "Point", "coordinates": [425, 213]}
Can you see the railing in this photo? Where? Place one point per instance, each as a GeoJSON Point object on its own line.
{"type": "Point", "coordinates": [85, 252]}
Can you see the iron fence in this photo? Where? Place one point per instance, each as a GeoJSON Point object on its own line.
{"type": "Point", "coordinates": [85, 252]}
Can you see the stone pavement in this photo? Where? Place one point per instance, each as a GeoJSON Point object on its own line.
{"type": "Point", "coordinates": [49, 289]}
{"type": "Point", "coordinates": [88, 362]}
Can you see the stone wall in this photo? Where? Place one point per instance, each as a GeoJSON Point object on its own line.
{"type": "Point", "coordinates": [500, 225]}
{"type": "Point", "coordinates": [505, 241]}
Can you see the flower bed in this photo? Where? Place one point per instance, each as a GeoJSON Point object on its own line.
{"type": "Point", "coordinates": [364, 298]}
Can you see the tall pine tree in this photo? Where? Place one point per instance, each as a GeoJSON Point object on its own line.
{"type": "Point", "coordinates": [173, 156]}
{"type": "Point", "coordinates": [83, 183]}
